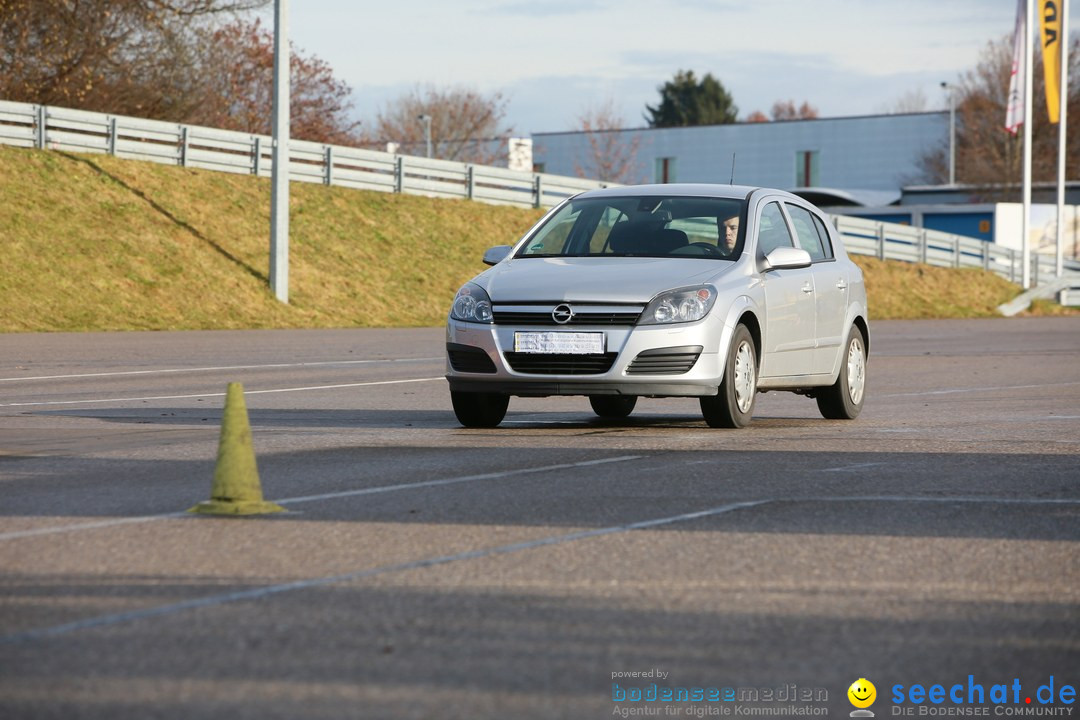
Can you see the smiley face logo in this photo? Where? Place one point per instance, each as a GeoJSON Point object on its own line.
{"type": "Point", "coordinates": [862, 693]}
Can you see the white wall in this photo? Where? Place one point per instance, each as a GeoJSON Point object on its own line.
{"type": "Point", "coordinates": [1008, 220]}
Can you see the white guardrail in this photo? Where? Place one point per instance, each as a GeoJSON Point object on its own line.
{"type": "Point", "coordinates": [47, 127]}
{"type": "Point", "coordinates": [56, 128]}
{"type": "Point", "coordinates": [891, 241]}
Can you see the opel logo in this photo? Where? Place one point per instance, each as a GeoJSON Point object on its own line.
{"type": "Point", "coordinates": [562, 314]}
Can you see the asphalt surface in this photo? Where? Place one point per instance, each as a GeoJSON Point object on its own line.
{"type": "Point", "coordinates": [542, 568]}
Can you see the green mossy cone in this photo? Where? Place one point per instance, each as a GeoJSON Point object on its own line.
{"type": "Point", "coordinates": [236, 489]}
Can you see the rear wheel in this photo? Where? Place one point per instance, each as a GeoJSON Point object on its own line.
{"type": "Point", "coordinates": [479, 409]}
{"type": "Point", "coordinates": [733, 406]}
{"type": "Point", "coordinates": [613, 406]}
{"type": "Point", "coordinates": [844, 399]}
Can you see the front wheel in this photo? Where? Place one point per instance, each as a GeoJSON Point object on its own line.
{"type": "Point", "coordinates": [479, 409]}
{"type": "Point", "coordinates": [844, 399]}
{"type": "Point", "coordinates": [613, 406]}
{"type": "Point", "coordinates": [733, 406]}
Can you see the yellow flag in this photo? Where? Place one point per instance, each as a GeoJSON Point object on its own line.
{"type": "Point", "coordinates": [1052, 42]}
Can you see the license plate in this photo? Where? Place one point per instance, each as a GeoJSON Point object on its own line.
{"type": "Point", "coordinates": [559, 343]}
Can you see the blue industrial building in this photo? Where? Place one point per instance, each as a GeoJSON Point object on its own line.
{"type": "Point", "coordinates": [870, 158]}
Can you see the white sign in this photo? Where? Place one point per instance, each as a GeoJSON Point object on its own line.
{"type": "Point", "coordinates": [559, 343]}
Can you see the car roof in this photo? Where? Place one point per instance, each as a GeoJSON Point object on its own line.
{"type": "Point", "coordinates": [739, 192]}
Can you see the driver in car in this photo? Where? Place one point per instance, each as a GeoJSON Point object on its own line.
{"type": "Point", "coordinates": [731, 234]}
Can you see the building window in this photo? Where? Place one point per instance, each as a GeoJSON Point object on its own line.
{"type": "Point", "coordinates": [539, 167]}
{"type": "Point", "coordinates": [665, 170]}
{"type": "Point", "coordinates": [806, 168]}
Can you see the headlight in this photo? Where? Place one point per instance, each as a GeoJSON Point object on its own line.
{"type": "Point", "coordinates": [472, 304]}
{"type": "Point", "coordinates": [679, 306]}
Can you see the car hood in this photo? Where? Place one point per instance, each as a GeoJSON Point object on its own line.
{"type": "Point", "coordinates": [623, 279]}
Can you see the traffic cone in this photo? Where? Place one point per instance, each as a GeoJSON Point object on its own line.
{"type": "Point", "coordinates": [236, 489]}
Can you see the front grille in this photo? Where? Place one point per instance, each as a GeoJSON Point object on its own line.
{"type": "Point", "coordinates": [465, 358]}
{"type": "Point", "coordinates": [541, 315]}
{"type": "Point", "coordinates": [538, 364]}
{"type": "Point", "coordinates": [665, 361]}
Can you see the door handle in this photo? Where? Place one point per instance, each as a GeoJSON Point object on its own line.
{"type": "Point", "coordinates": [808, 288]}
{"type": "Point", "coordinates": [841, 285]}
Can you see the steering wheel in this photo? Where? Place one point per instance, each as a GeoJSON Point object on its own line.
{"type": "Point", "coordinates": [709, 248]}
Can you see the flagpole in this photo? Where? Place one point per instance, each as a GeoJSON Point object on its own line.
{"type": "Point", "coordinates": [279, 180]}
{"type": "Point", "coordinates": [1025, 242]}
{"type": "Point", "coordinates": [1063, 95]}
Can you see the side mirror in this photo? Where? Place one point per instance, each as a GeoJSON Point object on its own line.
{"type": "Point", "coordinates": [787, 258]}
{"type": "Point", "coordinates": [498, 253]}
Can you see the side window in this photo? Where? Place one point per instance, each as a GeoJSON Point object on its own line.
{"type": "Point", "coordinates": [772, 230]}
{"type": "Point", "coordinates": [806, 231]}
{"type": "Point", "coordinates": [552, 238]}
{"type": "Point", "coordinates": [826, 242]}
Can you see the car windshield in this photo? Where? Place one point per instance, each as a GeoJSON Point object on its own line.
{"type": "Point", "coordinates": [692, 227]}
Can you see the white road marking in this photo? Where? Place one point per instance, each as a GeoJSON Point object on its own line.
{"type": "Point", "coordinates": [943, 499]}
{"type": "Point", "coordinates": [453, 481]}
{"type": "Point", "coordinates": [269, 590]}
{"type": "Point", "coordinates": [221, 394]}
{"type": "Point", "coordinates": [326, 496]}
{"type": "Point", "coordinates": [977, 389]}
{"type": "Point", "coordinates": [19, 534]}
{"type": "Point", "coordinates": [166, 371]}
{"type": "Point", "coordinates": [849, 468]}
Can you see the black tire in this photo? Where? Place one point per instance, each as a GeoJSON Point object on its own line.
{"type": "Point", "coordinates": [844, 399]}
{"type": "Point", "coordinates": [479, 409]}
{"type": "Point", "coordinates": [733, 406]}
{"type": "Point", "coordinates": [613, 406]}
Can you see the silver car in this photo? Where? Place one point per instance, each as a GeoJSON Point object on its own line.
{"type": "Point", "coordinates": [710, 291]}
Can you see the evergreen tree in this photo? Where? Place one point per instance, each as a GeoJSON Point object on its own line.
{"type": "Point", "coordinates": [684, 102]}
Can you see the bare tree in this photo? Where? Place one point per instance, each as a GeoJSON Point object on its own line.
{"type": "Point", "coordinates": [466, 125]}
{"type": "Point", "coordinates": [912, 101]}
{"type": "Point", "coordinates": [122, 56]}
{"type": "Point", "coordinates": [237, 88]}
{"type": "Point", "coordinates": [611, 157]}
{"type": "Point", "coordinates": [988, 155]}
{"type": "Point", "coordinates": [786, 110]}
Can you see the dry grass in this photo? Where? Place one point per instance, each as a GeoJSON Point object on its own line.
{"type": "Point", "coordinates": [899, 290]}
{"type": "Point", "coordinates": [91, 242]}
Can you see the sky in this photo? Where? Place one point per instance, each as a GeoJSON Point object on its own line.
{"type": "Point", "coordinates": [555, 60]}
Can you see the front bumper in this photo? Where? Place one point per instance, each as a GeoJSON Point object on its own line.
{"type": "Point", "coordinates": [661, 352]}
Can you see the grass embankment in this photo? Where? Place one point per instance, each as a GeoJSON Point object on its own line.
{"type": "Point", "coordinates": [91, 242]}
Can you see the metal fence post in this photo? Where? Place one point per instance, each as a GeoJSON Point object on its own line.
{"type": "Point", "coordinates": [399, 174]}
{"type": "Point", "coordinates": [881, 241]}
{"type": "Point", "coordinates": [538, 189]}
{"type": "Point", "coordinates": [329, 160]}
{"type": "Point", "coordinates": [1012, 265]}
{"type": "Point", "coordinates": [924, 246]}
{"type": "Point", "coordinates": [256, 164]}
{"type": "Point", "coordinates": [39, 129]}
{"type": "Point", "coordinates": [112, 136]}
{"type": "Point", "coordinates": [470, 181]}
{"type": "Point", "coordinates": [183, 145]}
{"type": "Point", "coordinates": [986, 256]}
